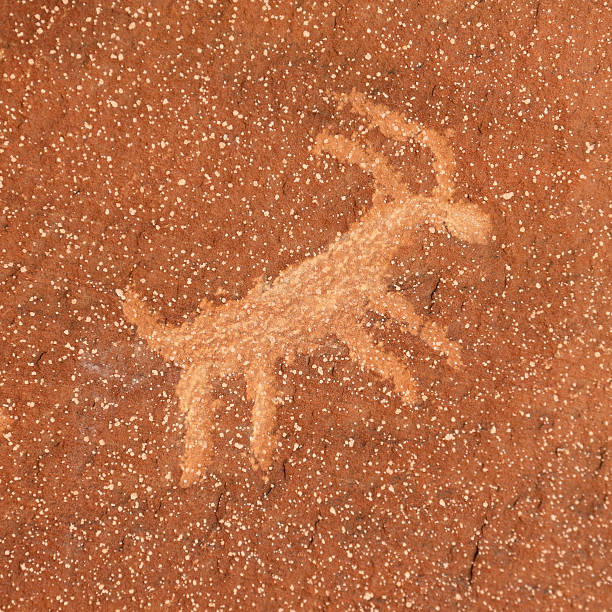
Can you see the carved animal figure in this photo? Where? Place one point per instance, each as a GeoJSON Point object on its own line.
{"type": "Point", "coordinates": [323, 294]}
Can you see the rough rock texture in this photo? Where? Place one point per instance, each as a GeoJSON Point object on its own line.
{"type": "Point", "coordinates": [167, 146]}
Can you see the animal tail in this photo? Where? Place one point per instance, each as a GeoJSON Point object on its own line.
{"type": "Point", "coordinates": [163, 338]}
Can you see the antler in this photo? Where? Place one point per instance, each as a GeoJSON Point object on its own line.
{"type": "Point", "coordinates": [465, 221]}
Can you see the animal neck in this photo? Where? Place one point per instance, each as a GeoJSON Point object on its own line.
{"type": "Point", "coordinates": [378, 230]}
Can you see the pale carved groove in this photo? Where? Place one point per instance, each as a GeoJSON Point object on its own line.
{"type": "Point", "coordinates": [320, 295]}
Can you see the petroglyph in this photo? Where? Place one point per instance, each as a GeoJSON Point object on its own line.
{"type": "Point", "coordinates": [320, 295]}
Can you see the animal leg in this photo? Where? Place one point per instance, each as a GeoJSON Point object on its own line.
{"type": "Point", "coordinates": [432, 334]}
{"type": "Point", "coordinates": [197, 404]}
{"type": "Point", "coordinates": [261, 389]}
{"type": "Point", "coordinates": [368, 355]}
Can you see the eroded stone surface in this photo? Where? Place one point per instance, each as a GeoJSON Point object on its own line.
{"type": "Point", "coordinates": [172, 148]}
{"type": "Point", "coordinates": [324, 294]}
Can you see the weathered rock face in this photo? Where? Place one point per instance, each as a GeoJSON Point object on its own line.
{"type": "Point", "coordinates": [448, 451]}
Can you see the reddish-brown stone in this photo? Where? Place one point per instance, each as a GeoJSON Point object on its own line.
{"type": "Point", "coordinates": [489, 494]}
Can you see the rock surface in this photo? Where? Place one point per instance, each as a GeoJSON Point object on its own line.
{"type": "Point", "coordinates": [167, 146]}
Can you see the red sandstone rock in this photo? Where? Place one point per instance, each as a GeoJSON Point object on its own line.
{"type": "Point", "coordinates": [168, 147]}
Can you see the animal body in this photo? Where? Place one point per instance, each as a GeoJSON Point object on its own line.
{"type": "Point", "coordinates": [323, 294]}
